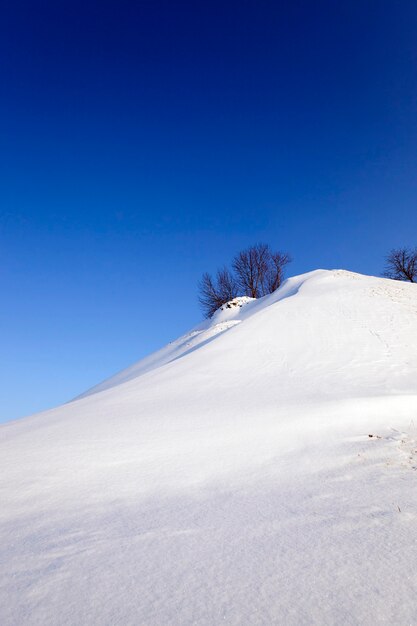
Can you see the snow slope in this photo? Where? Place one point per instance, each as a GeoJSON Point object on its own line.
{"type": "Point", "coordinates": [259, 470]}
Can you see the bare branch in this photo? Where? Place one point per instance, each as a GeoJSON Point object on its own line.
{"type": "Point", "coordinates": [227, 285]}
{"type": "Point", "coordinates": [213, 294]}
{"type": "Point", "coordinates": [259, 271]}
{"type": "Point", "coordinates": [401, 264]}
{"type": "Point", "coordinates": [275, 274]}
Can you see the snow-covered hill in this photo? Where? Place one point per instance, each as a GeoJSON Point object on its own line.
{"type": "Point", "coordinates": [258, 470]}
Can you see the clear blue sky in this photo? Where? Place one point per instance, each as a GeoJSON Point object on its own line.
{"type": "Point", "coordinates": [143, 143]}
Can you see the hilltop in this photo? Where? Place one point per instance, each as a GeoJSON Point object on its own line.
{"type": "Point", "coordinates": [258, 470]}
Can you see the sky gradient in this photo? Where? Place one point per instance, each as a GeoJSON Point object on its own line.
{"type": "Point", "coordinates": [145, 143]}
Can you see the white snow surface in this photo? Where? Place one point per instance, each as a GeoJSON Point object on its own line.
{"type": "Point", "coordinates": [259, 470]}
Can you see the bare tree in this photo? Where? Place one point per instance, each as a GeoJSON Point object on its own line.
{"type": "Point", "coordinates": [401, 264]}
{"type": "Point", "coordinates": [275, 273]}
{"type": "Point", "coordinates": [216, 292]}
{"type": "Point", "coordinates": [251, 266]}
{"type": "Point", "coordinates": [257, 272]}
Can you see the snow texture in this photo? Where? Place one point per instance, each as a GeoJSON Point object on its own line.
{"type": "Point", "coordinates": [259, 470]}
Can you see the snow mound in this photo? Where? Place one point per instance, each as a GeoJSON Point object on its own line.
{"type": "Point", "coordinates": [233, 306]}
{"type": "Point", "coordinates": [236, 302]}
{"type": "Point", "coordinates": [231, 476]}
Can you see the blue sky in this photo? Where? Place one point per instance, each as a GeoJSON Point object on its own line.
{"type": "Point", "coordinates": [143, 143]}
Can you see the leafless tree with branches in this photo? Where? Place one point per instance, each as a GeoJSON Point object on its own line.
{"type": "Point", "coordinates": [401, 264]}
{"type": "Point", "coordinates": [251, 266]}
{"type": "Point", "coordinates": [216, 292]}
{"type": "Point", "coordinates": [257, 272]}
{"type": "Point", "coordinates": [275, 273]}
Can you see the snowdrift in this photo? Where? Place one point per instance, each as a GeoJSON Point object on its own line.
{"type": "Point", "coordinates": [258, 470]}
